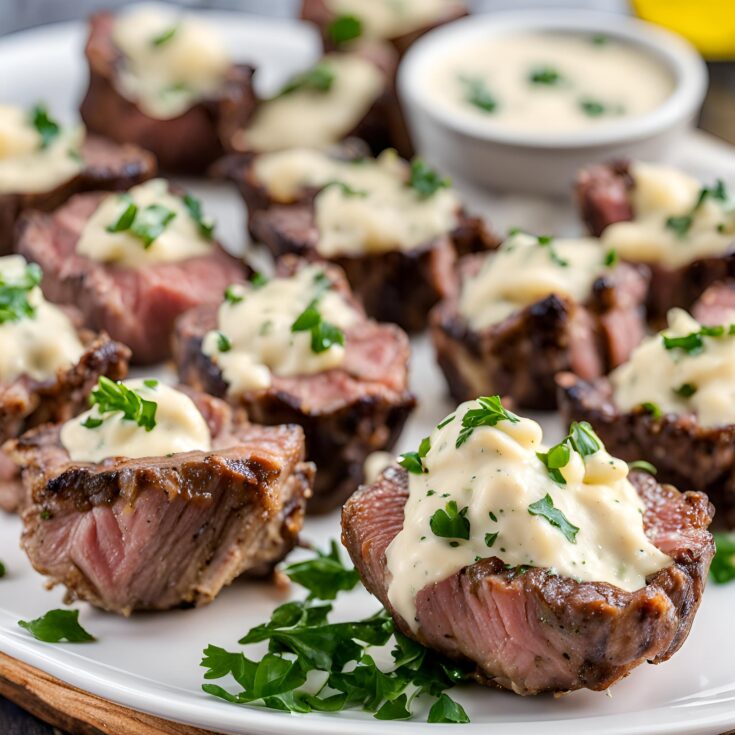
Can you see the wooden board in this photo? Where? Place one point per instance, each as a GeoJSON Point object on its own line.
{"type": "Point", "coordinates": [74, 711]}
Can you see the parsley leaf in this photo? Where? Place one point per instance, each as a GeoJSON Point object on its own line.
{"type": "Point", "coordinates": [545, 508]}
{"type": "Point", "coordinates": [722, 569]}
{"type": "Point", "coordinates": [3, 570]}
{"type": "Point", "coordinates": [693, 343]}
{"type": "Point", "coordinates": [150, 222]}
{"type": "Point", "coordinates": [224, 343]}
{"type": "Point", "coordinates": [45, 125]}
{"type": "Point", "coordinates": [545, 75]}
{"type": "Point", "coordinates": [319, 78]}
{"type": "Point", "coordinates": [478, 94]}
{"type": "Point", "coordinates": [204, 223]}
{"type": "Point", "coordinates": [111, 397]}
{"type": "Point", "coordinates": [681, 224]}
{"type": "Point", "coordinates": [581, 438]}
{"type": "Point", "coordinates": [232, 297]}
{"type": "Point", "coordinates": [127, 216]}
{"type": "Point", "coordinates": [592, 107]}
{"type": "Point", "coordinates": [450, 522]}
{"type": "Point", "coordinates": [445, 709]}
{"type": "Point", "coordinates": [14, 293]}
{"type": "Point", "coordinates": [490, 539]}
{"type": "Point", "coordinates": [548, 242]}
{"type": "Point", "coordinates": [424, 180]}
{"type": "Point", "coordinates": [323, 334]}
{"type": "Point", "coordinates": [165, 36]}
{"type": "Point", "coordinates": [491, 412]}
{"type": "Point", "coordinates": [412, 460]}
{"type": "Point", "coordinates": [325, 575]}
{"type": "Point", "coordinates": [258, 280]}
{"type": "Point", "coordinates": [653, 409]}
{"type": "Point", "coordinates": [57, 625]}
{"type": "Point", "coordinates": [686, 390]}
{"type": "Point", "coordinates": [346, 189]}
{"type": "Point", "coordinates": [344, 28]}
{"type": "Point", "coordinates": [643, 466]}
{"type": "Point", "coordinates": [611, 258]}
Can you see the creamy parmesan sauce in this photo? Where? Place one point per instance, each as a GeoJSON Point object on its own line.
{"type": "Point", "coordinates": [313, 118]}
{"type": "Point", "coordinates": [524, 271]}
{"type": "Point", "coordinates": [36, 345]}
{"type": "Point", "coordinates": [180, 239]}
{"type": "Point", "coordinates": [28, 167]}
{"type": "Point", "coordinates": [258, 335]}
{"type": "Point", "coordinates": [661, 193]}
{"type": "Point", "coordinates": [375, 212]}
{"type": "Point", "coordinates": [656, 375]}
{"type": "Point", "coordinates": [553, 82]}
{"type": "Point", "coordinates": [387, 19]}
{"type": "Point", "coordinates": [496, 474]}
{"type": "Point", "coordinates": [180, 427]}
{"type": "Point", "coordinates": [171, 60]}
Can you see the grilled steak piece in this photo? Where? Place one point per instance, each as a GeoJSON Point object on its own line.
{"type": "Point", "coordinates": [519, 356]}
{"type": "Point", "coordinates": [160, 532]}
{"type": "Point", "coordinates": [346, 413]}
{"type": "Point", "coordinates": [603, 196]}
{"type": "Point", "coordinates": [25, 402]}
{"type": "Point", "coordinates": [136, 306]}
{"type": "Point", "coordinates": [185, 144]}
{"type": "Point", "coordinates": [107, 167]}
{"type": "Point", "coordinates": [531, 631]}
{"type": "Point", "coordinates": [684, 453]}
{"type": "Point", "coordinates": [716, 305]}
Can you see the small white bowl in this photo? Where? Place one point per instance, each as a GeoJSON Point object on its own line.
{"type": "Point", "coordinates": [510, 160]}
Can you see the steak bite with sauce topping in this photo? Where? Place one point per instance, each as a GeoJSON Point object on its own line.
{"type": "Point", "coordinates": [162, 79]}
{"type": "Point", "coordinates": [682, 230]}
{"type": "Point", "coordinates": [299, 349]}
{"type": "Point", "coordinates": [392, 226]}
{"type": "Point", "coordinates": [157, 498]}
{"type": "Point", "coordinates": [47, 366]}
{"type": "Point", "coordinates": [551, 569]}
{"type": "Point", "coordinates": [42, 164]}
{"type": "Point", "coordinates": [535, 307]}
{"type": "Point", "coordinates": [131, 263]}
{"type": "Point", "coordinates": [671, 405]}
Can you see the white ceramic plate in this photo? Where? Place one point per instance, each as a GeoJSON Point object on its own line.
{"type": "Point", "coordinates": [151, 662]}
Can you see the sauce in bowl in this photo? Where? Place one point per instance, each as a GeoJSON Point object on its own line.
{"type": "Point", "coordinates": [553, 82]}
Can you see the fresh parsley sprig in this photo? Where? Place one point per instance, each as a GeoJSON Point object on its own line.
{"type": "Point", "coordinates": [693, 343]}
{"type": "Point", "coordinates": [490, 412]}
{"type": "Point", "coordinates": [325, 576]}
{"type": "Point", "coordinates": [145, 224]}
{"type": "Point", "coordinates": [545, 509]}
{"type": "Point", "coordinates": [681, 224]}
{"type": "Point", "coordinates": [722, 569]}
{"type": "Point", "coordinates": [204, 224]}
{"type": "Point", "coordinates": [323, 334]}
{"type": "Point", "coordinates": [56, 626]}
{"type": "Point", "coordinates": [581, 438]}
{"type": "Point", "coordinates": [413, 461]}
{"type": "Point", "coordinates": [45, 125]}
{"type": "Point", "coordinates": [344, 28]}
{"type": "Point", "coordinates": [451, 522]}
{"type": "Point", "coordinates": [112, 397]}
{"type": "Point", "coordinates": [14, 294]}
{"type": "Point", "coordinates": [424, 180]}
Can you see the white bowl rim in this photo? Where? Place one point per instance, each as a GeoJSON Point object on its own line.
{"type": "Point", "coordinates": [685, 63]}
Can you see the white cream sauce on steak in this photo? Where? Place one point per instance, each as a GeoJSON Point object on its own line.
{"type": "Point", "coordinates": [157, 420]}
{"type": "Point", "coordinates": [677, 219]}
{"type": "Point", "coordinates": [171, 60]}
{"type": "Point", "coordinates": [365, 206]}
{"type": "Point", "coordinates": [484, 485]}
{"type": "Point", "coordinates": [36, 337]}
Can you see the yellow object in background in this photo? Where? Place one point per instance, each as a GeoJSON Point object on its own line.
{"type": "Point", "coordinates": [708, 24]}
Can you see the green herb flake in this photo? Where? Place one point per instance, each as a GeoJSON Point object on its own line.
{"type": "Point", "coordinates": [693, 343]}
{"type": "Point", "coordinates": [164, 37]}
{"type": "Point", "coordinates": [113, 397]}
{"type": "Point", "coordinates": [127, 216]}
{"type": "Point", "coordinates": [323, 334]}
{"type": "Point", "coordinates": [346, 189]}
{"type": "Point", "coordinates": [92, 423]}
{"type": "Point", "coordinates": [722, 569]}
{"type": "Point", "coordinates": [643, 466]}
{"type": "Point", "coordinates": [151, 383]}
{"type": "Point", "coordinates": [258, 280]}
{"type": "Point", "coordinates": [325, 575]}
{"type": "Point", "coordinates": [478, 95]}
{"type": "Point", "coordinates": [686, 390]}
{"type": "Point", "coordinates": [45, 125]}
{"type": "Point", "coordinates": [652, 409]}
{"type": "Point", "coordinates": [592, 108]}
{"type": "Point", "coordinates": [450, 522]}
{"type": "Point", "coordinates": [611, 258]}
{"type": "Point", "coordinates": [490, 539]}
{"type": "Point", "coordinates": [224, 343]}
{"type": "Point", "coordinates": [545, 76]}
{"type": "Point", "coordinates": [412, 461]}
{"type": "Point", "coordinates": [344, 28]}
{"type": "Point", "coordinates": [599, 39]}
{"type": "Point", "coordinates": [56, 626]}
{"type": "Point", "coordinates": [232, 297]}
{"type": "Point", "coordinates": [204, 224]}
{"type": "Point", "coordinates": [150, 223]}
{"type": "Point", "coordinates": [445, 709]}
{"type": "Point", "coordinates": [490, 413]}
{"type": "Point", "coordinates": [581, 438]}
{"type": "Point", "coordinates": [3, 570]}
{"type": "Point", "coordinates": [424, 180]}
{"type": "Point", "coordinates": [319, 78]}
{"type": "Point", "coordinates": [681, 224]}
{"type": "Point", "coordinates": [545, 509]}
{"type": "Point", "coordinates": [15, 292]}
{"type": "Point", "coordinates": [448, 420]}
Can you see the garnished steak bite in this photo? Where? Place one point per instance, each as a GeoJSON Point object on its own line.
{"type": "Point", "coordinates": [342, 96]}
{"type": "Point", "coordinates": [551, 569]}
{"type": "Point", "coordinates": [682, 230]}
{"type": "Point", "coordinates": [47, 366]}
{"type": "Point", "coordinates": [342, 22]}
{"type": "Point", "coordinates": [156, 497]}
{"type": "Point", "coordinates": [163, 79]}
{"type": "Point", "coordinates": [43, 163]}
{"type": "Point", "coordinates": [672, 405]}
{"type": "Point", "coordinates": [299, 349]}
{"type": "Point", "coordinates": [393, 227]}
{"type": "Point", "coordinates": [535, 307]}
{"type": "Point", "coordinates": [131, 263]}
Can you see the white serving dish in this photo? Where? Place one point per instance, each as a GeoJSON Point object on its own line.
{"type": "Point", "coordinates": [545, 163]}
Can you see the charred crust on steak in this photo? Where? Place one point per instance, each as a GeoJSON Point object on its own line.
{"type": "Point", "coordinates": [345, 415]}
{"type": "Point", "coordinates": [519, 356]}
{"type": "Point", "coordinates": [187, 143]}
{"type": "Point", "coordinates": [582, 634]}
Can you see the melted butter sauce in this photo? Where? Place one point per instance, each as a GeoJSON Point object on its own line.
{"type": "Point", "coordinates": [496, 475]}
{"type": "Point", "coordinates": [180, 427]}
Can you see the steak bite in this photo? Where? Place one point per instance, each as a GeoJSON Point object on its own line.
{"type": "Point", "coordinates": [130, 263]}
{"type": "Point", "coordinates": [682, 230]}
{"type": "Point", "coordinates": [342, 22]}
{"type": "Point", "coordinates": [299, 349]}
{"type": "Point", "coordinates": [670, 405]}
{"type": "Point", "coordinates": [500, 575]}
{"type": "Point", "coordinates": [42, 164]}
{"type": "Point", "coordinates": [201, 497]}
{"type": "Point", "coordinates": [47, 366]}
{"type": "Point", "coordinates": [536, 307]}
{"type": "Point", "coordinates": [163, 80]}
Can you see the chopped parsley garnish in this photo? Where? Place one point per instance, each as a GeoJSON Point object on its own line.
{"type": "Point", "coordinates": [722, 569]}
{"type": "Point", "coordinates": [113, 397]}
{"type": "Point", "coordinates": [611, 258]}
{"type": "Point", "coordinates": [317, 79]}
{"type": "Point", "coordinates": [581, 439]}
{"type": "Point", "coordinates": [323, 334]}
{"type": "Point", "coordinates": [151, 383]}
{"type": "Point", "coordinates": [14, 293]}
{"type": "Point", "coordinates": [127, 216]}
{"type": "Point", "coordinates": [165, 36]}
{"type": "Point", "coordinates": [548, 242]}
{"type": "Point", "coordinates": [3, 570]}
{"type": "Point", "coordinates": [224, 343]}
{"type": "Point", "coordinates": [344, 28]}
{"type": "Point", "coordinates": [478, 94]}
{"type": "Point", "coordinates": [45, 125]}
{"type": "Point", "coordinates": [424, 180]}
{"type": "Point", "coordinates": [325, 575]}
{"type": "Point", "coordinates": [144, 224]}
{"type": "Point", "coordinates": [451, 522]}
{"type": "Point", "coordinates": [346, 189]}
{"type": "Point", "coordinates": [681, 224]}
{"type": "Point", "coordinates": [232, 297]}
{"type": "Point", "coordinates": [686, 390]}
{"type": "Point", "coordinates": [643, 466]}
{"type": "Point", "coordinates": [593, 108]}
{"type": "Point", "coordinates": [412, 461]}
{"type": "Point", "coordinates": [490, 539]}
{"type": "Point", "coordinates": [545, 508]}
{"type": "Point", "coordinates": [56, 626]}
{"type": "Point", "coordinates": [92, 423]}
{"type": "Point", "coordinates": [204, 224]}
{"type": "Point", "coordinates": [599, 39]}
{"type": "Point", "coordinates": [491, 412]}
{"type": "Point", "coordinates": [693, 343]}
{"type": "Point", "coordinates": [258, 280]}
{"type": "Point", "coordinates": [652, 409]}
{"type": "Point", "coordinates": [448, 420]}
{"type": "Point", "coordinates": [545, 75]}
{"type": "Point", "coordinates": [445, 709]}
